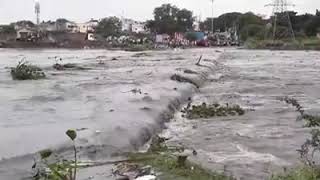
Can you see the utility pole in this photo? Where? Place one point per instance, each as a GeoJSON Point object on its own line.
{"type": "Point", "coordinates": [212, 17]}
{"type": "Point", "coordinates": [37, 11]}
{"type": "Point", "coordinates": [280, 8]}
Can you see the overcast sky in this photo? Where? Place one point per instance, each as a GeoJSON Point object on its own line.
{"type": "Point", "coordinates": [83, 10]}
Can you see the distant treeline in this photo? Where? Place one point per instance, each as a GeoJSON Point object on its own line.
{"type": "Point", "coordinates": [170, 19]}
{"type": "Point", "coordinates": [250, 25]}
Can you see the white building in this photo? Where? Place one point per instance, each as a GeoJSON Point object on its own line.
{"type": "Point", "coordinates": [48, 26]}
{"type": "Point", "coordinates": [138, 27]}
{"type": "Point", "coordinates": [71, 27]}
{"type": "Point", "coordinates": [126, 24]}
{"type": "Point", "coordinates": [26, 34]}
{"type": "Point", "coordinates": [129, 25]}
{"type": "Point", "coordinates": [88, 27]}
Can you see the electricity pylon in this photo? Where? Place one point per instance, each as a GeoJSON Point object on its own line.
{"type": "Point", "coordinates": [280, 13]}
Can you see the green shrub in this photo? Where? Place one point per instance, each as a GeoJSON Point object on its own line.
{"type": "Point", "coordinates": [309, 150]}
{"type": "Point", "coordinates": [213, 110]}
{"type": "Point", "coordinates": [299, 174]}
{"type": "Point", "coordinates": [26, 71]}
{"type": "Point", "coordinates": [56, 168]}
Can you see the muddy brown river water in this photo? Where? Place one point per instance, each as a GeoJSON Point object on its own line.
{"type": "Point", "coordinates": [111, 118]}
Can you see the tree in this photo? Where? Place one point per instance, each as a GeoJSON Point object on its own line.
{"type": "Point", "coordinates": [7, 29]}
{"type": "Point", "coordinates": [312, 26]}
{"type": "Point", "coordinates": [221, 23]}
{"type": "Point", "coordinates": [25, 23]}
{"type": "Point", "coordinates": [253, 31]}
{"type": "Point", "coordinates": [151, 24]}
{"type": "Point", "coordinates": [62, 21]}
{"type": "Point", "coordinates": [170, 19]}
{"type": "Point", "coordinates": [184, 20]}
{"type": "Point", "coordinates": [249, 18]}
{"type": "Point", "coordinates": [110, 26]}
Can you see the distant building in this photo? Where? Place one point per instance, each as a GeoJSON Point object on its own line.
{"type": "Point", "coordinates": [129, 25]}
{"type": "Point", "coordinates": [23, 24]}
{"type": "Point", "coordinates": [48, 26]}
{"type": "Point", "coordinates": [126, 24]}
{"type": "Point", "coordinates": [26, 34]}
{"type": "Point", "coordinates": [138, 27]}
{"type": "Point", "coordinates": [91, 37]}
{"type": "Point", "coordinates": [196, 26]}
{"type": "Point", "coordinates": [162, 38]}
{"type": "Point", "coordinates": [222, 38]}
{"type": "Point", "coordinates": [72, 27]}
{"type": "Point", "coordinates": [66, 26]}
{"type": "Point", "coordinates": [88, 27]}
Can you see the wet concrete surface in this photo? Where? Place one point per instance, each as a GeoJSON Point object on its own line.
{"type": "Point", "coordinates": [117, 103]}
{"type": "Point", "coordinates": [265, 139]}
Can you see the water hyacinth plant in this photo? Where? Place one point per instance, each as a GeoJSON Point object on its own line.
{"type": "Point", "coordinates": [27, 71]}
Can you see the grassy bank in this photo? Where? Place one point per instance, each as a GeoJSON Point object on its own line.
{"type": "Point", "coordinates": [305, 173]}
{"type": "Point", "coordinates": [312, 43]}
{"type": "Point", "coordinates": [169, 167]}
{"type": "Point", "coordinates": [172, 163]}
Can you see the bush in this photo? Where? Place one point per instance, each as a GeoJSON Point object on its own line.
{"type": "Point", "coordinates": [299, 174]}
{"type": "Point", "coordinates": [137, 48]}
{"type": "Point", "coordinates": [309, 150]}
{"type": "Point", "coordinates": [51, 167]}
{"type": "Point", "coordinates": [213, 110]}
{"type": "Point", "coordinates": [26, 71]}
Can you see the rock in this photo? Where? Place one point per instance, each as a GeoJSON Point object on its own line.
{"type": "Point", "coordinates": [194, 152]}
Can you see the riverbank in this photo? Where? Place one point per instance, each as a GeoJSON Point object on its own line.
{"type": "Point", "coordinates": [298, 44]}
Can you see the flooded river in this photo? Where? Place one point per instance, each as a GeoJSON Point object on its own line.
{"type": "Point", "coordinates": [265, 139]}
{"type": "Point", "coordinates": [118, 100]}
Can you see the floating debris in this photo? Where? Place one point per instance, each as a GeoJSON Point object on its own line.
{"type": "Point", "coordinates": [71, 66]}
{"type": "Point", "coordinates": [134, 91]}
{"type": "Point", "coordinates": [182, 79]}
{"type": "Point", "coordinates": [141, 54]}
{"type": "Point", "coordinates": [188, 71]}
{"type": "Point", "coordinates": [213, 110]}
{"type": "Point", "coordinates": [26, 71]}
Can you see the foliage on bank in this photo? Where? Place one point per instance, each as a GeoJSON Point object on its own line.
{"type": "Point", "coordinates": [309, 150]}
{"type": "Point", "coordinates": [172, 163]}
{"type": "Point", "coordinates": [305, 173]}
{"type": "Point", "coordinates": [284, 44]}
